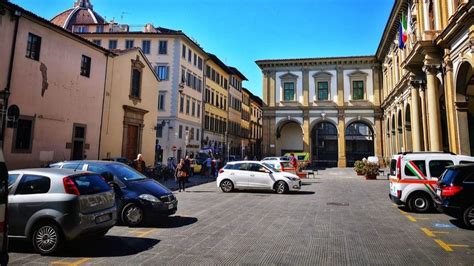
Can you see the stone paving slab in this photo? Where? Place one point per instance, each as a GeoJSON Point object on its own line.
{"type": "Point", "coordinates": [337, 219]}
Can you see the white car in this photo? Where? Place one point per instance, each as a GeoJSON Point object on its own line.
{"type": "Point", "coordinates": [256, 175]}
{"type": "Point", "coordinates": [277, 162]}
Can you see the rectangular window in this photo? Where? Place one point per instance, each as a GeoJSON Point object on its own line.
{"type": "Point", "coordinates": [206, 121]}
{"type": "Point", "coordinates": [85, 66]}
{"type": "Point", "coordinates": [358, 90]}
{"type": "Point", "coordinates": [187, 105]}
{"type": "Point", "coordinates": [289, 91]}
{"type": "Point", "coordinates": [188, 79]}
{"type": "Point", "coordinates": [129, 44]}
{"type": "Point", "coordinates": [208, 71]}
{"type": "Point", "coordinates": [193, 108]}
{"type": "Point", "coordinates": [33, 184]}
{"type": "Point", "coordinates": [183, 75]}
{"type": "Point", "coordinates": [163, 47]}
{"type": "Point", "coordinates": [199, 85]}
{"type": "Point", "coordinates": [437, 167]}
{"type": "Point", "coordinates": [146, 45]}
{"type": "Point", "coordinates": [189, 55]}
{"type": "Point", "coordinates": [97, 42]}
{"type": "Point", "coordinates": [183, 51]}
{"type": "Point", "coordinates": [197, 134]}
{"type": "Point", "coordinates": [323, 91]}
{"type": "Point", "coordinates": [180, 132]}
{"type": "Point", "coordinates": [159, 131]}
{"type": "Point", "coordinates": [161, 101]}
{"type": "Point", "coordinates": [162, 72]}
{"type": "Point", "coordinates": [99, 28]}
{"type": "Point", "coordinates": [112, 44]}
{"type": "Point", "coordinates": [181, 104]}
{"type": "Point", "coordinates": [198, 110]}
{"type": "Point", "coordinates": [33, 46]}
{"type": "Point", "coordinates": [200, 63]}
{"type": "Point", "coordinates": [136, 83]}
{"type": "Point", "coordinates": [420, 164]}
{"type": "Point", "coordinates": [195, 59]}
{"type": "Point", "coordinates": [23, 136]}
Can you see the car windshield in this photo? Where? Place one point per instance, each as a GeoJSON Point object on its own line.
{"type": "Point", "coordinates": [125, 172]}
{"type": "Point", "coordinates": [269, 166]}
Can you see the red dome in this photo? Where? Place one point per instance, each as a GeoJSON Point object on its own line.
{"type": "Point", "coordinates": [82, 14]}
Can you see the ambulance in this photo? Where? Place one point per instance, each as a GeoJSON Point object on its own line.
{"type": "Point", "coordinates": [414, 175]}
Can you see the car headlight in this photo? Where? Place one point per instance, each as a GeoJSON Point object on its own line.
{"type": "Point", "coordinates": [292, 178]}
{"type": "Point", "coordinates": [149, 197]}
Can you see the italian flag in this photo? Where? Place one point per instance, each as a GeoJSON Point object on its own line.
{"type": "Point", "coordinates": [403, 32]}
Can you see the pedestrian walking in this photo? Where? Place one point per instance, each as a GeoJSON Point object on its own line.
{"type": "Point", "coordinates": [139, 164]}
{"type": "Point", "coordinates": [208, 166]}
{"type": "Point", "coordinates": [294, 161]}
{"type": "Point", "coordinates": [187, 163]}
{"type": "Point", "coordinates": [181, 174]}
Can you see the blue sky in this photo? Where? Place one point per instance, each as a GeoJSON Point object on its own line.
{"type": "Point", "coordinates": [242, 31]}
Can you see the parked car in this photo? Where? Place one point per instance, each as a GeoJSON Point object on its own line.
{"type": "Point", "coordinates": [195, 166]}
{"type": "Point", "coordinates": [456, 193]}
{"type": "Point", "coordinates": [278, 163]}
{"type": "Point", "coordinates": [414, 177]}
{"type": "Point", "coordinates": [138, 197]}
{"type": "Point", "coordinates": [256, 175]}
{"type": "Point", "coordinates": [119, 159]}
{"type": "Point", "coordinates": [49, 206]}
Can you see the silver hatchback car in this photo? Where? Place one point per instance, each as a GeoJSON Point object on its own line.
{"type": "Point", "coordinates": [49, 206]}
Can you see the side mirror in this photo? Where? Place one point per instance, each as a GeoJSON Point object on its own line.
{"type": "Point", "coordinates": [108, 177]}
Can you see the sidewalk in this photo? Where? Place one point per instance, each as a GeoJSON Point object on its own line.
{"type": "Point", "coordinates": [193, 181]}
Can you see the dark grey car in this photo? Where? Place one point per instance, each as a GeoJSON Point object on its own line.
{"type": "Point", "coordinates": [50, 206]}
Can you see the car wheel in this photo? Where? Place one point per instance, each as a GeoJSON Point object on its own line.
{"type": "Point", "coordinates": [47, 238]}
{"type": "Point", "coordinates": [419, 202]}
{"type": "Point", "coordinates": [468, 217]}
{"type": "Point", "coordinates": [132, 215]}
{"type": "Point", "coordinates": [281, 187]}
{"type": "Point", "coordinates": [227, 185]}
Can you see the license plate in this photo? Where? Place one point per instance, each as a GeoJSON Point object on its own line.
{"type": "Point", "coordinates": [103, 218]}
{"type": "Point", "coordinates": [171, 206]}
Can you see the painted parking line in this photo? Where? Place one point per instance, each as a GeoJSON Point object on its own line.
{"type": "Point", "coordinates": [431, 233]}
{"type": "Point", "coordinates": [448, 247]}
{"type": "Point", "coordinates": [71, 263]}
{"type": "Point", "coordinates": [411, 218]}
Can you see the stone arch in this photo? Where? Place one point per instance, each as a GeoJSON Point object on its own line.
{"type": "Point", "coordinates": [324, 144]}
{"type": "Point", "coordinates": [464, 84]}
{"type": "Point", "coordinates": [289, 136]}
{"type": "Point", "coordinates": [408, 133]}
{"type": "Point", "coordinates": [359, 137]}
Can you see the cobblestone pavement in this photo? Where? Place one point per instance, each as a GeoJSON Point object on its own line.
{"type": "Point", "coordinates": [337, 219]}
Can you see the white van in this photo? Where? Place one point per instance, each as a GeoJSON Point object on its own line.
{"type": "Point", "coordinates": [414, 177]}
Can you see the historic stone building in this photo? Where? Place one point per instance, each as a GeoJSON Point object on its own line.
{"type": "Point", "coordinates": [428, 90]}
{"type": "Point", "coordinates": [329, 107]}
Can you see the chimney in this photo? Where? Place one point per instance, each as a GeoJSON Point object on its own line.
{"type": "Point", "coordinates": [149, 28]}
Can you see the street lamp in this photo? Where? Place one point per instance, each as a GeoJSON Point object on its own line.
{"type": "Point", "coordinates": [4, 95]}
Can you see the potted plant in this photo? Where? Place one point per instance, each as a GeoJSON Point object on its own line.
{"type": "Point", "coordinates": [359, 167]}
{"type": "Point", "coordinates": [371, 170]}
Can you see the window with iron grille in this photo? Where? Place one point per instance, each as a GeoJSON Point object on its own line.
{"type": "Point", "coordinates": [33, 46]}
{"type": "Point", "coordinates": [85, 66]}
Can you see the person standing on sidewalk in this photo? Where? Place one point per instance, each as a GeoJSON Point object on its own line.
{"type": "Point", "coordinates": [181, 174]}
{"type": "Point", "coordinates": [139, 164]}
{"type": "Point", "coordinates": [187, 162]}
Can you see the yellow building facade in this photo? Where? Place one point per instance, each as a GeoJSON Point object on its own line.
{"type": "Point", "coordinates": [245, 124]}
{"type": "Point", "coordinates": [215, 105]}
{"type": "Point", "coordinates": [427, 95]}
{"type": "Point", "coordinates": [129, 110]}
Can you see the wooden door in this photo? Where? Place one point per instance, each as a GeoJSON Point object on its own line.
{"type": "Point", "coordinates": [132, 142]}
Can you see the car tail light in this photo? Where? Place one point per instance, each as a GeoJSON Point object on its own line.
{"type": "Point", "coordinates": [399, 167]}
{"type": "Point", "coordinates": [450, 191]}
{"type": "Point", "coordinates": [221, 171]}
{"type": "Point", "coordinates": [70, 187]}
{"type": "Point", "coordinates": [399, 194]}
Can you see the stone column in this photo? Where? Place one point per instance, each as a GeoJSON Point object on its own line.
{"type": "Point", "coordinates": [341, 128]}
{"type": "Point", "coordinates": [463, 126]}
{"type": "Point", "coordinates": [340, 86]}
{"type": "Point", "coordinates": [415, 118]}
{"type": "Point", "coordinates": [404, 131]}
{"type": "Point", "coordinates": [272, 88]}
{"type": "Point", "coordinates": [433, 110]}
{"type": "Point", "coordinates": [450, 96]}
{"type": "Point", "coordinates": [306, 131]}
{"type": "Point", "coordinates": [424, 119]}
{"type": "Point", "coordinates": [305, 86]}
{"type": "Point", "coordinates": [266, 87]}
{"type": "Point", "coordinates": [378, 135]}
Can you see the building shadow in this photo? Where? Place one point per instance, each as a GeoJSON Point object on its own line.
{"type": "Point", "coordinates": [107, 246]}
{"type": "Point", "coordinates": [167, 222]}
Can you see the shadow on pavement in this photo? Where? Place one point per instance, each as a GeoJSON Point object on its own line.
{"type": "Point", "coordinates": [267, 192]}
{"type": "Point", "coordinates": [406, 209]}
{"type": "Point", "coordinates": [108, 246]}
{"type": "Point", "coordinates": [168, 222]}
{"type": "Point", "coordinates": [458, 223]}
